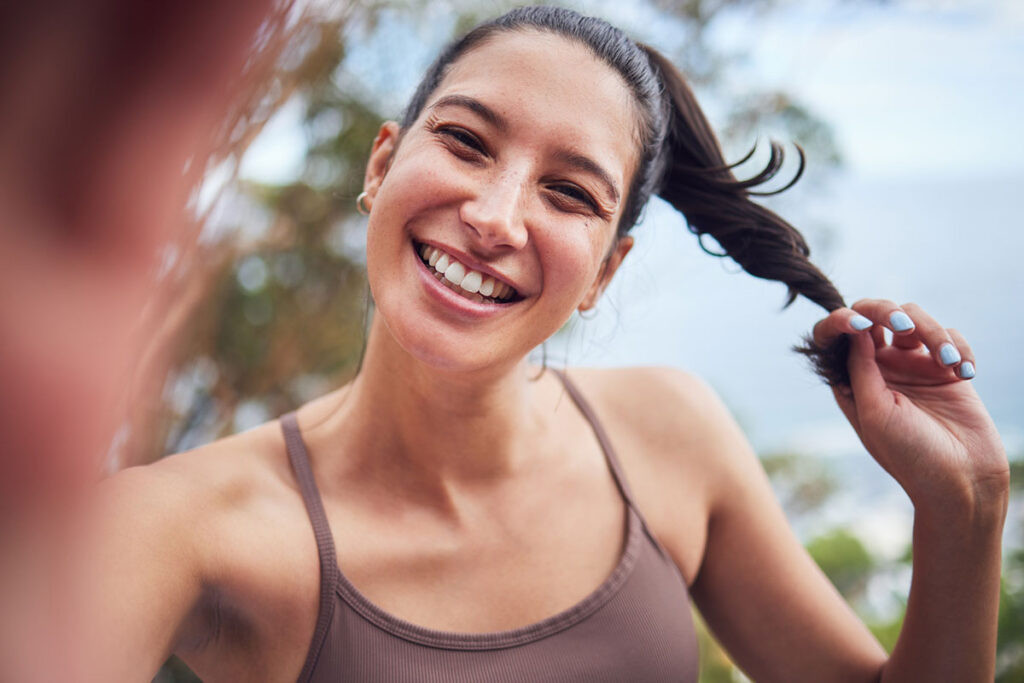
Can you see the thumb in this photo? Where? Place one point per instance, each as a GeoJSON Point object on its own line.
{"type": "Point", "coordinates": [869, 387]}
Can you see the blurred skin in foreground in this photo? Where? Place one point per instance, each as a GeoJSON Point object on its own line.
{"type": "Point", "coordinates": [102, 106]}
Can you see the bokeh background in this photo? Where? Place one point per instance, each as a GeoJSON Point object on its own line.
{"type": "Point", "coordinates": [908, 112]}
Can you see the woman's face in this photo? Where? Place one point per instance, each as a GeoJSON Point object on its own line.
{"type": "Point", "coordinates": [516, 171]}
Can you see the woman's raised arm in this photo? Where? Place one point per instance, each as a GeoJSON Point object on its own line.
{"type": "Point", "coordinates": [917, 416]}
{"type": "Point", "coordinates": [760, 592]}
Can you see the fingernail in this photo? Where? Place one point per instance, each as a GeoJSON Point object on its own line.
{"type": "Point", "coordinates": [967, 369]}
{"type": "Point", "coordinates": [859, 322]}
{"type": "Point", "coordinates": [901, 322]}
{"type": "Point", "coordinates": [948, 354]}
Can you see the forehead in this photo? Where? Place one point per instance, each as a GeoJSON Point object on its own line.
{"type": "Point", "coordinates": [555, 87]}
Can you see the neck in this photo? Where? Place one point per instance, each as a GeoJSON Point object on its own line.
{"type": "Point", "coordinates": [429, 433]}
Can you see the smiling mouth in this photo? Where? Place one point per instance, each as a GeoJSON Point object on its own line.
{"type": "Point", "coordinates": [463, 280]}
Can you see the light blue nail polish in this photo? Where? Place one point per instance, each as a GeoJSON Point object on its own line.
{"type": "Point", "coordinates": [901, 322]}
{"type": "Point", "coordinates": [967, 369]}
{"type": "Point", "coordinates": [860, 323]}
{"type": "Point", "coordinates": [948, 354]}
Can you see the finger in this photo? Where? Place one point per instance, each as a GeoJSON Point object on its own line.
{"type": "Point", "coordinates": [840, 321]}
{"type": "Point", "coordinates": [887, 313]}
{"type": "Point", "coordinates": [878, 336]}
{"type": "Point", "coordinates": [869, 388]}
{"type": "Point", "coordinates": [933, 335]}
{"type": "Point", "coordinates": [966, 369]}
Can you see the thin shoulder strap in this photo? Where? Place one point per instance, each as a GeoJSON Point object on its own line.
{"type": "Point", "coordinates": [299, 457]}
{"type": "Point", "coordinates": [602, 436]}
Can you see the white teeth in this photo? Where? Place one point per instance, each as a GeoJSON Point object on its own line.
{"type": "Point", "coordinates": [455, 273]}
{"type": "Point", "coordinates": [471, 283]}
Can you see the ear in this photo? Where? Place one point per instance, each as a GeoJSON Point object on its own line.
{"type": "Point", "coordinates": [611, 265]}
{"type": "Point", "coordinates": [384, 146]}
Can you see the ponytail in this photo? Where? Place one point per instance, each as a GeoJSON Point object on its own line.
{"type": "Point", "coordinates": [698, 182]}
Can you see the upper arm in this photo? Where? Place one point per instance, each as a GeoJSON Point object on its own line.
{"type": "Point", "coordinates": [142, 573]}
{"type": "Point", "coordinates": [759, 591]}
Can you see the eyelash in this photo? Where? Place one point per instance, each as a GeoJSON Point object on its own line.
{"type": "Point", "coordinates": [467, 146]}
{"type": "Point", "coordinates": [462, 138]}
{"type": "Point", "coordinates": [575, 193]}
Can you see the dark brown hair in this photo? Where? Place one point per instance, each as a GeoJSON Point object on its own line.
{"type": "Point", "coordinates": [681, 161]}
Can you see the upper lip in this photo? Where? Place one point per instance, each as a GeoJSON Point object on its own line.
{"type": "Point", "coordinates": [473, 264]}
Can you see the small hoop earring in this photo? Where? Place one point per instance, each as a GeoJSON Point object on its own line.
{"type": "Point", "coordinates": [361, 204]}
{"type": "Point", "coordinates": [591, 311]}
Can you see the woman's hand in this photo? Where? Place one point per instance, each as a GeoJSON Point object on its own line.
{"type": "Point", "coordinates": [913, 408]}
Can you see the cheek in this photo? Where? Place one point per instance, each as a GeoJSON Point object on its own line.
{"type": "Point", "coordinates": [570, 260]}
{"type": "Point", "coordinates": [420, 176]}
{"type": "Point", "coordinates": [409, 190]}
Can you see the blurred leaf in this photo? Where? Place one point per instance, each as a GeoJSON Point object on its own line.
{"type": "Point", "coordinates": [888, 633]}
{"type": "Point", "coordinates": [802, 483]}
{"type": "Point", "coordinates": [844, 560]}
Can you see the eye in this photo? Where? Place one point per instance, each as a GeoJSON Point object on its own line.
{"type": "Point", "coordinates": [564, 193]}
{"type": "Point", "coordinates": [461, 141]}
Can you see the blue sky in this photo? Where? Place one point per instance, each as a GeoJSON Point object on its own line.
{"type": "Point", "coordinates": [911, 87]}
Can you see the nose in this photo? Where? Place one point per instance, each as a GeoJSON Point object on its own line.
{"type": "Point", "coordinates": [496, 211]}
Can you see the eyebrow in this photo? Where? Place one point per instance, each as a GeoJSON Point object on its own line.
{"type": "Point", "coordinates": [573, 159]}
{"type": "Point", "coordinates": [482, 110]}
{"type": "Point", "coordinates": [588, 165]}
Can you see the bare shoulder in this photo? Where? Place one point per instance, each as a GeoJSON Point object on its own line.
{"type": "Point", "coordinates": [660, 397]}
{"type": "Point", "coordinates": [235, 524]}
{"type": "Point", "coordinates": [679, 445]}
{"type": "Point", "coordinates": [188, 500]}
{"type": "Point", "coordinates": [196, 485]}
{"type": "Point", "coordinates": [676, 416]}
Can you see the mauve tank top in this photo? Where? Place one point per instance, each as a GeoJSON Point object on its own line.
{"type": "Point", "coordinates": [636, 626]}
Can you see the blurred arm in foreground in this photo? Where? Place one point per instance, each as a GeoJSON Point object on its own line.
{"type": "Point", "coordinates": [108, 112]}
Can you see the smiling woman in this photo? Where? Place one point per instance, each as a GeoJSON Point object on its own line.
{"type": "Point", "coordinates": [468, 523]}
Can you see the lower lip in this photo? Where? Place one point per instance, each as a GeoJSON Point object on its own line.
{"type": "Point", "coordinates": [452, 301]}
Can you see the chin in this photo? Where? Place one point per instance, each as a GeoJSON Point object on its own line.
{"type": "Point", "coordinates": [445, 350]}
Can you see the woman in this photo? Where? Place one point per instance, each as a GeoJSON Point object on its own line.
{"type": "Point", "coordinates": [468, 524]}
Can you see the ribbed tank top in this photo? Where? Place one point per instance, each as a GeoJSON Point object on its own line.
{"type": "Point", "coordinates": [635, 626]}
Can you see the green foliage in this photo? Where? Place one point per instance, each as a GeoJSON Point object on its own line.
{"type": "Point", "coordinates": [802, 483]}
{"type": "Point", "coordinates": [715, 665]}
{"type": "Point", "coordinates": [1017, 473]}
{"type": "Point", "coordinates": [888, 632]}
{"type": "Point", "coordinates": [844, 560]}
{"type": "Point", "coordinates": [1010, 650]}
